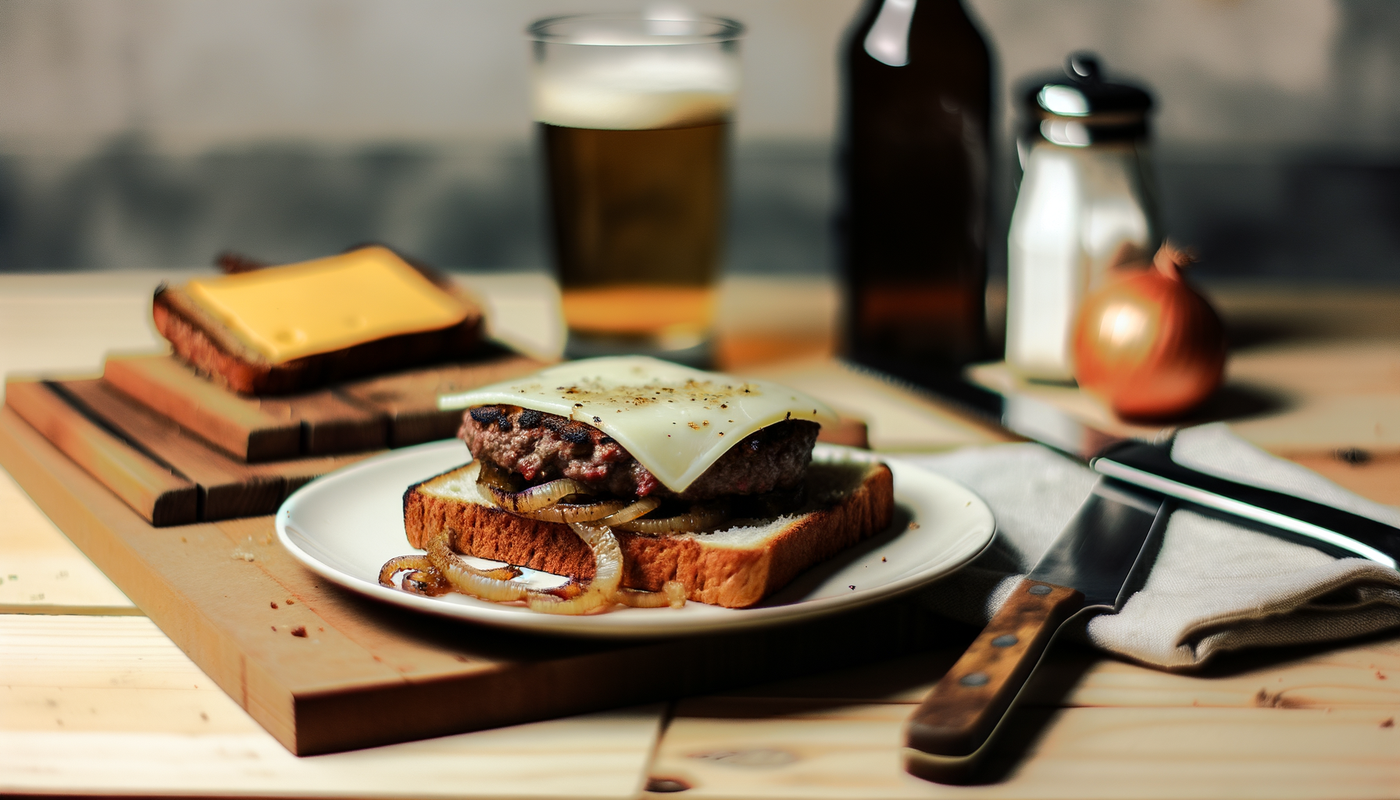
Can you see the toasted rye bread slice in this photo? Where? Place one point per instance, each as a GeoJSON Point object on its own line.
{"type": "Point", "coordinates": [735, 568]}
{"type": "Point", "coordinates": [215, 351]}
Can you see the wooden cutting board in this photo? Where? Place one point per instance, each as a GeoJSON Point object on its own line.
{"type": "Point", "coordinates": [370, 414]}
{"type": "Point", "coordinates": [178, 449]}
{"type": "Point", "coordinates": [325, 670]}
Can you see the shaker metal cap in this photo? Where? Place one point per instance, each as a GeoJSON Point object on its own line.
{"type": "Point", "coordinates": [1079, 107]}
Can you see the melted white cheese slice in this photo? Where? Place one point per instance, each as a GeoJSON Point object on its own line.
{"type": "Point", "coordinates": [676, 421]}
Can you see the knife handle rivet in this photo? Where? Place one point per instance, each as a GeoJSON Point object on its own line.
{"type": "Point", "coordinates": [1039, 589]}
{"type": "Point", "coordinates": [974, 679]}
{"type": "Point", "coordinates": [1005, 640]}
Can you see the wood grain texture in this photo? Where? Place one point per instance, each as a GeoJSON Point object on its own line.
{"type": "Point", "coordinates": [816, 749]}
{"type": "Point", "coordinates": [972, 698]}
{"type": "Point", "coordinates": [239, 425]}
{"type": "Point", "coordinates": [42, 572]}
{"type": "Point", "coordinates": [110, 706]}
{"type": "Point", "coordinates": [249, 428]}
{"type": "Point", "coordinates": [331, 424]}
{"type": "Point", "coordinates": [1373, 476]}
{"type": "Point", "coordinates": [330, 671]}
{"type": "Point", "coordinates": [1293, 399]}
{"type": "Point", "coordinates": [409, 399]}
{"type": "Point", "coordinates": [227, 488]}
{"type": "Point", "coordinates": [1076, 676]}
{"type": "Point", "coordinates": [150, 488]}
{"type": "Point", "coordinates": [393, 410]}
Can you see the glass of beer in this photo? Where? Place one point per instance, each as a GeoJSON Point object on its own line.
{"type": "Point", "coordinates": [634, 115]}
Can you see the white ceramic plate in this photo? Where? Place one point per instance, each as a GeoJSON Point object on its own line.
{"type": "Point", "coordinates": [345, 525]}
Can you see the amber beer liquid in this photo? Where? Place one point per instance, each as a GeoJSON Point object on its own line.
{"type": "Point", "coordinates": [634, 116]}
{"type": "Point", "coordinates": [638, 226]}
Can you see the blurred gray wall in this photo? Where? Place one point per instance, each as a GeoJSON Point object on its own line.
{"type": "Point", "coordinates": [155, 133]}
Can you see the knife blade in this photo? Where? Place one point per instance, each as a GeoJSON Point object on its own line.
{"type": "Point", "coordinates": [1150, 465]}
{"type": "Point", "coordinates": [1089, 569]}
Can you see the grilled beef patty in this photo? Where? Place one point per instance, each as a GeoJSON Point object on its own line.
{"type": "Point", "coordinates": [541, 447]}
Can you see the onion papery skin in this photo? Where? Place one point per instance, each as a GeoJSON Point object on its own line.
{"type": "Point", "coordinates": [1149, 345]}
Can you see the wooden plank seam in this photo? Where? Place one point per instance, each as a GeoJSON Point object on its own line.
{"type": "Point", "coordinates": [97, 419]}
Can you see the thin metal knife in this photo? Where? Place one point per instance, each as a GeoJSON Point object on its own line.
{"type": "Point", "coordinates": [1149, 465]}
{"type": "Point", "coordinates": [1089, 569]}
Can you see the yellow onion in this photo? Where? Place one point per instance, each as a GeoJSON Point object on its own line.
{"type": "Point", "coordinates": [1147, 343]}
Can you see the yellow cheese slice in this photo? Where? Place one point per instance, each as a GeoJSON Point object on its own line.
{"type": "Point", "coordinates": [328, 304]}
{"type": "Point", "coordinates": [676, 421]}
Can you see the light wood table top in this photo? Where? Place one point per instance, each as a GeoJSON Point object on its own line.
{"type": "Point", "coordinates": [95, 700]}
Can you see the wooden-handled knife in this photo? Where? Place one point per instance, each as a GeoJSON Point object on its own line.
{"type": "Point", "coordinates": [1150, 466]}
{"type": "Point", "coordinates": [1090, 568]}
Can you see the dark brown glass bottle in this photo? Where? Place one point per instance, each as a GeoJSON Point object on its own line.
{"type": "Point", "coordinates": [914, 167]}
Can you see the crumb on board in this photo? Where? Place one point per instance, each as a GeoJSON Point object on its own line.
{"type": "Point", "coordinates": [273, 604]}
{"type": "Point", "coordinates": [1388, 722]}
{"type": "Point", "coordinates": [245, 550]}
{"type": "Point", "coordinates": [299, 631]}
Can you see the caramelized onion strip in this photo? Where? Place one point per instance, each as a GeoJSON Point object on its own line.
{"type": "Point", "coordinates": [488, 474]}
{"type": "Point", "coordinates": [696, 519]}
{"type": "Point", "coordinates": [468, 579]}
{"type": "Point", "coordinates": [399, 564]}
{"type": "Point", "coordinates": [577, 512]}
{"type": "Point", "coordinates": [642, 507]}
{"type": "Point", "coordinates": [534, 498]}
{"type": "Point", "coordinates": [672, 594]}
{"type": "Point", "coordinates": [600, 592]}
{"type": "Point", "coordinates": [429, 583]}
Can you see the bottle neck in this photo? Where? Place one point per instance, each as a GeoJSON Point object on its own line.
{"type": "Point", "coordinates": [887, 39]}
{"type": "Point", "coordinates": [889, 29]}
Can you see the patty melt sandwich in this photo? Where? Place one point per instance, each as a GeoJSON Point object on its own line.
{"type": "Point", "coordinates": [644, 482]}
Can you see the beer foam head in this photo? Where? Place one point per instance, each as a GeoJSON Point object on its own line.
{"type": "Point", "coordinates": [637, 89]}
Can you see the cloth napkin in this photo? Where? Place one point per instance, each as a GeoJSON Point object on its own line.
{"type": "Point", "coordinates": [1214, 587]}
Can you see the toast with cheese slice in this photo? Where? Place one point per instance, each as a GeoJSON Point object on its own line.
{"type": "Point", "coordinates": [301, 326]}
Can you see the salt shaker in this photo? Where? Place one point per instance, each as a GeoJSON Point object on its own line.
{"type": "Point", "coordinates": [1085, 204]}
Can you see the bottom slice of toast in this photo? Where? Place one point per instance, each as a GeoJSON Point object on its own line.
{"type": "Point", "coordinates": [736, 567]}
